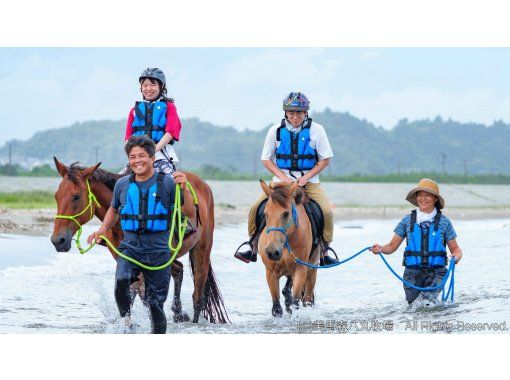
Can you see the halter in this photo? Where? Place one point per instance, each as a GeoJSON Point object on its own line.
{"type": "Point", "coordinates": [92, 199]}
{"type": "Point", "coordinates": [177, 222]}
{"type": "Point", "coordinates": [283, 229]}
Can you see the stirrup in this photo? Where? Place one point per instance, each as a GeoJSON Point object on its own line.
{"type": "Point", "coordinates": [243, 256]}
{"type": "Point", "coordinates": [325, 259]}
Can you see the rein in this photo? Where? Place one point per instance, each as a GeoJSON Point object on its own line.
{"type": "Point", "coordinates": [176, 215]}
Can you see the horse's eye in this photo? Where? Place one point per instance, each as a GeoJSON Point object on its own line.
{"type": "Point", "coordinates": [285, 214]}
{"type": "Point", "coordinates": [76, 197]}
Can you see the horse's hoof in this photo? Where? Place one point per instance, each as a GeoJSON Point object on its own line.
{"type": "Point", "coordinates": [180, 318]}
{"type": "Point", "coordinates": [277, 311]}
{"type": "Point", "coordinates": [288, 310]}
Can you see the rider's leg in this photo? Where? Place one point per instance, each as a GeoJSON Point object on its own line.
{"type": "Point", "coordinates": [251, 253]}
{"type": "Point", "coordinates": [316, 192]}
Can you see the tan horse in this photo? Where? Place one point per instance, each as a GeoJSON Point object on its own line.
{"type": "Point", "coordinates": [287, 226]}
{"type": "Point", "coordinates": [72, 198]}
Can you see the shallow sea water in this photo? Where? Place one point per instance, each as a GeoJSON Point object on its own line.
{"type": "Point", "coordinates": [42, 291]}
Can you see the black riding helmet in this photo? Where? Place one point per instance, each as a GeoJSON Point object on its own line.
{"type": "Point", "coordinates": [153, 73]}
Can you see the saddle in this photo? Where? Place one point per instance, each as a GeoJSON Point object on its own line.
{"type": "Point", "coordinates": [315, 216]}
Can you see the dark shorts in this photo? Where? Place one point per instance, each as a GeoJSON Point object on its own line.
{"type": "Point", "coordinates": [157, 282]}
{"type": "Point", "coordinates": [424, 278]}
{"type": "Point", "coordinates": [164, 166]}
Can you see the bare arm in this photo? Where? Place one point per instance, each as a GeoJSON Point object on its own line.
{"type": "Point", "coordinates": [270, 165]}
{"type": "Point", "coordinates": [321, 165]}
{"type": "Point", "coordinates": [109, 220]}
{"type": "Point", "coordinates": [389, 248]}
{"type": "Point", "coordinates": [455, 250]}
{"type": "Point", "coordinates": [167, 137]}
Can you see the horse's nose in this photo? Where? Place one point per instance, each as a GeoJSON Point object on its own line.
{"type": "Point", "coordinates": [61, 243]}
{"type": "Point", "coordinates": [274, 255]}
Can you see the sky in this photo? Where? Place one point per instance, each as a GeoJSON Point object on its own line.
{"type": "Point", "coordinates": [43, 88]}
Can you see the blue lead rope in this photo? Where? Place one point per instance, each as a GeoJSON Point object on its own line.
{"type": "Point", "coordinates": [450, 292]}
{"type": "Point", "coordinates": [451, 270]}
{"type": "Point", "coordinates": [331, 265]}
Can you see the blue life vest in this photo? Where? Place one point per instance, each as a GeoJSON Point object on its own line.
{"type": "Point", "coordinates": [294, 152]}
{"type": "Point", "coordinates": [144, 211]}
{"type": "Point", "coordinates": [425, 247]}
{"type": "Point", "coordinates": [150, 119]}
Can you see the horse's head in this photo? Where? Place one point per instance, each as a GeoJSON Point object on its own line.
{"type": "Point", "coordinates": [280, 215]}
{"type": "Point", "coordinates": [72, 198]}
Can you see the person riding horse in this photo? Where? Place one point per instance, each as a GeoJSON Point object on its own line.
{"type": "Point", "coordinates": [297, 149]}
{"type": "Point", "coordinates": [155, 116]}
{"type": "Point", "coordinates": [144, 200]}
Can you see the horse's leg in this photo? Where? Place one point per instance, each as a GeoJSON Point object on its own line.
{"type": "Point", "coordinates": [274, 288]}
{"type": "Point", "coordinates": [200, 264]}
{"type": "Point", "coordinates": [138, 287]}
{"type": "Point", "coordinates": [298, 281]}
{"type": "Point", "coordinates": [287, 294]}
{"type": "Point", "coordinates": [177, 275]}
{"type": "Point", "coordinates": [311, 278]}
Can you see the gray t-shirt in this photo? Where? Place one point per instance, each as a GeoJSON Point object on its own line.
{"type": "Point", "coordinates": [145, 242]}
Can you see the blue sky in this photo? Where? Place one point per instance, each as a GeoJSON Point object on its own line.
{"type": "Point", "coordinates": [46, 88]}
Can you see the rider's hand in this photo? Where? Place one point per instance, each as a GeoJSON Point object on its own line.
{"type": "Point", "coordinates": [285, 179]}
{"type": "Point", "coordinates": [94, 237]}
{"type": "Point", "coordinates": [303, 180]}
{"type": "Point", "coordinates": [376, 248]}
{"type": "Point", "coordinates": [180, 178]}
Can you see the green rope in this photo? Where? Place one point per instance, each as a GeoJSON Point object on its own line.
{"type": "Point", "coordinates": [176, 216]}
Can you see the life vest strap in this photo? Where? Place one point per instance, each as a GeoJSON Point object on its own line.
{"type": "Point", "coordinates": [296, 156]}
{"type": "Point", "coordinates": [141, 218]}
{"type": "Point", "coordinates": [419, 253]}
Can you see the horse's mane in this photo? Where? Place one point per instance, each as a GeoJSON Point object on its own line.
{"type": "Point", "coordinates": [281, 194]}
{"type": "Point", "coordinates": [100, 175]}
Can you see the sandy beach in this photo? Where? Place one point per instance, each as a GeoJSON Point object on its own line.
{"type": "Point", "coordinates": [40, 222]}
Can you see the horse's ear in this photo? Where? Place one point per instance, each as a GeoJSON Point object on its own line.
{"type": "Point", "coordinates": [266, 188]}
{"type": "Point", "coordinates": [298, 195]}
{"type": "Point", "coordinates": [61, 168]}
{"type": "Point", "coordinates": [89, 171]}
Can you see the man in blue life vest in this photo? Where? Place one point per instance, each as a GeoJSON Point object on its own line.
{"type": "Point", "coordinates": [296, 149]}
{"type": "Point", "coordinates": [144, 201]}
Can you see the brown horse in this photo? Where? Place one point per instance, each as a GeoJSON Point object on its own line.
{"type": "Point", "coordinates": [72, 197]}
{"type": "Point", "coordinates": [287, 225]}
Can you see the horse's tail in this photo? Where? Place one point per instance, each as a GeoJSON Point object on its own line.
{"type": "Point", "coordinates": [213, 307]}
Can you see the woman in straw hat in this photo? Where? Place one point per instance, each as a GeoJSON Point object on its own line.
{"type": "Point", "coordinates": [427, 232]}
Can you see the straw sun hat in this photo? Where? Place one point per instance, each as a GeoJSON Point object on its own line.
{"type": "Point", "coordinates": [427, 185]}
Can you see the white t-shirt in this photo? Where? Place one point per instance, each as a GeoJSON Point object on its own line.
{"type": "Point", "coordinates": [318, 141]}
